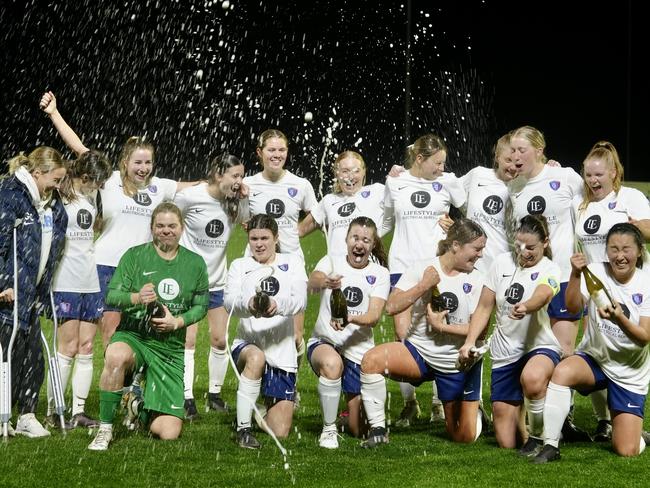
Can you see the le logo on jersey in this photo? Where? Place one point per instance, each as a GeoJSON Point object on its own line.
{"type": "Point", "coordinates": [214, 228]}
{"type": "Point", "coordinates": [353, 296]}
{"type": "Point", "coordinates": [270, 286]}
{"type": "Point", "coordinates": [592, 224]}
{"type": "Point", "coordinates": [346, 209]}
{"type": "Point", "coordinates": [492, 205]}
{"type": "Point", "coordinates": [450, 300]}
{"type": "Point", "coordinates": [420, 199]}
{"type": "Point", "coordinates": [514, 293]}
{"type": "Point", "coordinates": [142, 199]}
{"type": "Point", "coordinates": [168, 289]}
{"type": "Point", "coordinates": [275, 208]}
{"type": "Point", "coordinates": [555, 185]}
{"type": "Point", "coordinates": [84, 219]}
{"type": "Point", "coordinates": [536, 205]}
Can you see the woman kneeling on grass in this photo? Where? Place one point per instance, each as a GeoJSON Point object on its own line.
{"type": "Point", "coordinates": [614, 351]}
{"type": "Point", "coordinates": [335, 349]}
{"type": "Point", "coordinates": [430, 348]}
{"type": "Point", "coordinates": [149, 275]}
{"type": "Point", "coordinates": [265, 290]}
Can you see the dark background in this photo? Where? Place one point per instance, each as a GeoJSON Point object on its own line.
{"type": "Point", "coordinates": [197, 79]}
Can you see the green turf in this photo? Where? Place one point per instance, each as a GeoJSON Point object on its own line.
{"type": "Point", "coordinates": [206, 454]}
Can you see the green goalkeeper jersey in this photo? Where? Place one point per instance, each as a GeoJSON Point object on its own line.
{"type": "Point", "coordinates": [180, 283]}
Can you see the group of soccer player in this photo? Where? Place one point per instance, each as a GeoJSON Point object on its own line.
{"type": "Point", "coordinates": [513, 252]}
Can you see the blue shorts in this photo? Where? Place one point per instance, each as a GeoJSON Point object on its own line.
{"type": "Point", "coordinates": [351, 379]}
{"type": "Point", "coordinates": [105, 274]}
{"type": "Point", "coordinates": [506, 380]}
{"type": "Point", "coordinates": [618, 398]}
{"type": "Point", "coordinates": [451, 386]}
{"type": "Point", "coordinates": [276, 383]}
{"type": "Point", "coordinates": [394, 278]}
{"type": "Point", "coordinates": [78, 306]}
{"type": "Point", "coordinates": [557, 308]}
{"type": "Point", "coordinates": [216, 299]}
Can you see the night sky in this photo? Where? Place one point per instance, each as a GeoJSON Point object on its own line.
{"type": "Point", "coordinates": [198, 78]}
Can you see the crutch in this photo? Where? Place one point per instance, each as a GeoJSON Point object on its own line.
{"type": "Point", "coordinates": [54, 372]}
{"type": "Point", "coordinates": [5, 362]}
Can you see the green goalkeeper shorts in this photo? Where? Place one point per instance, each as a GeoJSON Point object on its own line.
{"type": "Point", "coordinates": [163, 390]}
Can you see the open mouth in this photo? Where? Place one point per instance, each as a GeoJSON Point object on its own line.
{"type": "Point", "coordinates": [358, 256]}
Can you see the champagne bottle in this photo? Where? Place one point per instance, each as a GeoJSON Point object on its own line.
{"type": "Point", "coordinates": [339, 307]}
{"type": "Point", "coordinates": [261, 302]}
{"type": "Point", "coordinates": [597, 290]}
{"type": "Point", "coordinates": [155, 310]}
{"type": "Point", "coordinates": [437, 303]}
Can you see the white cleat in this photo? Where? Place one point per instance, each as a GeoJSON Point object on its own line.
{"type": "Point", "coordinates": [102, 439]}
{"type": "Point", "coordinates": [437, 412]}
{"type": "Point", "coordinates": [29, 426]}
{"type": "Point", "coordinates": [329, 439]}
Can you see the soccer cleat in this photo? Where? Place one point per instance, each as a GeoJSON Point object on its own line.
{"type": "Point", "coordinates": [603, 432]}
{"type": "Point", "coordinates": [485, 419]}
{"type": "Point", "coordinates": [247, 440]}
{"type": "Point", "coordinates": [296, 401]}
{"type": "Point", "coordinates": [102, 439]}
{"type": "Point", "coordinates": [572, 433]}
{"type": "Point", "coordinates": [191, 413]}
{"type": "Point", "coordinates": [329, 439]}
{"type": "Point", "coordinates": [215, 402]}
{"type": "Point", "coordinates": [531, 447]}
{"type": "Point", "coordinates": [409, 413]}
{"type": "Point", "coordinates": [343, 421]}
{"type": "Point", "coordinates": [10, 430]}
{"type": "Point", "coordinates": [82, 420]}
{"type": "Point", "coordinates": [644, 434]}
{"type": "Point", "coordinates": [132, 403]}
{"type": "Point", "coordinates": [29, 426]}
{"type": "Point", "coordinates": [53, 421]}
{"type": "Point", "coordinates": [546, 455]}
{"type": "Point", "coordinates": [376, 437]}
{"type": "Point", "coordinates": [437, 412]}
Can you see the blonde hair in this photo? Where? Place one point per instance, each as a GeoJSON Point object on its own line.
{"type": "Point", "coordinates": [426, 146]}
{"type": "Point", "coordinates": [605, 151]}
{"type": "Point", "coordinates": [336, 187]}
{"type": "Point", "coordinates": [270, 134]}
{"type": "Point", "coordinates": [43, 159]}
{"type": "Point", "coordinates": [499, 147]}
{"type": "Point", "coordinates": [131, 145]}
{"type": "Point", "coordinates": [533, 136]}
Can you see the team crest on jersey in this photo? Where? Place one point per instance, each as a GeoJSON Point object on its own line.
{"type": "Point", "coordinates": [292, 191]}
{"type": "Point", "coordinates": [28, 219]}
{"type": "Point", "coordinates": [637, 298]}
{"type": "Point", "coordinates": [365, 193]}
{"type": "Point", "coordinates": [371, 279]}
{"type": "Point", "coordinates": [555, 185]}
{"type": "Point", "coordinates": [65, 307]}
{"type": "Point", "coordinates": [611, 205]}
{"type": "Point", "coordinates": [436, 186]}
{"type": "Point", "coordinates": [534, 276]}
{"type": "Point", "coordinates": [153, 188]}
{"type": "Point", "coordinates": [467, 287]}
{"type": "Point", "coordinates": [283, 267]}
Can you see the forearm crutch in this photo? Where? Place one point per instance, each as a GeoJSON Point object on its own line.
{"type": "Point", "coordinates": [54, 372]}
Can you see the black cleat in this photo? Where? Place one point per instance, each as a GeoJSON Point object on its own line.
{"type": "Point", "coordinates": [546, 455]}
{"type": "Point", "coordinates": [603, 432]}
{"type": "Point", "coordinates": [531, 447]}
{"type": "Point", "coordinates": [191, 413]}
{"type": "Point", "coordinates": [215, 402]}
{"type": "Point", "coordinates": [83, 420]}
{"type": "Point", "coordinates": [247, 440]}
{"type": "Point", "coordinates": [572, 433]}
{"type": "Point", "coordinates": [376, 437]}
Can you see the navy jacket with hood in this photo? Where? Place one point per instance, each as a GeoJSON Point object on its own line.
{"type": "Point", "coordinates": [33, 300]}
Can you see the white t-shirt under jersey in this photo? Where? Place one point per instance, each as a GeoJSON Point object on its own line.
{"type": "Point", "coordinates": [127, 220]}
{"type": "Point", "coordinates": [77, 270]}
{"type": "Point", "coordinates": [207, 229]}
{"type": "Point", "coordinates": [511, 284]}
{"type": "Point", "coordinates": [593, 223]}
{"type": "Point", "coordinates": [628, 364]}
{"type": "Point", "coordinates": [336, 210]}
{"type": "Point", "coordinates": [283, 200]}
{"type": "Point", "coordinates": [358, 285]}
{"type": "Point", "coordinates": [551, 193]}
{"type": "Point", "coordinates": [417, 204]}
{"type": "Point", "coordinates": [287, 286]}
{"type": "Point", "coordinates": [487, 196]}
{"type": "Point", "coordinates": [460, 294]}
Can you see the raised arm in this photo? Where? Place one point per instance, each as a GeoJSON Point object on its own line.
{"type": "Point", "coordinates": [71, 139]}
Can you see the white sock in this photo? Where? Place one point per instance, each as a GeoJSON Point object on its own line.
{"type": "Point", "coordinates": [82, 379]}
{"type": "Point", "coordinates": [65, 366]}
{"type": "Point", "coordinates": [434, 396]}
{"type": "Point", "coordinates": [217, 368]}
{"type": "Point", "coordinates": [535, 411]}
{"type": "Point", "coordinates": [479, 424]}
{"type": "Point", "coordinates": [247, 393]}
{"type": "Point", "coordinates": [556, 409]}
{"type": "Point", "coordinates": [408, 391]}
{"type": "Point", "coordinates": [373, 395]}
{"type": "Point", "coordinates": [188, 374]}
{"type": "Point", "coordinates": [329, 392]}
{"type": "Point", "coordinates": [599, 404]}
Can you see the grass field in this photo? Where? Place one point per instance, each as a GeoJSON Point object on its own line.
{"type": "Point", "coordinates": [206, 455]}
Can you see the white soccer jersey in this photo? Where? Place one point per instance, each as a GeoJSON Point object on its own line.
{"type": "Point", "coordinates": [336, 210]}
{"type": "Point", "coordinates": [127, 220]}
{"type": "Point", "coordinates": [77, 270]}
{"type": "Point", "coordinates": [358, 285]}
{"type": "Point", "coordinates": [283, 200]}
{"type": "Point", "coordinates": [417, 204]}
{"type": "Point", "coordinates": [487, 196]}
{"type": "Point", "coordinates": [626, 363]}
{"type": "Point", "coordinates": [207, 229]}
{"type": "Point", "coordinates": [460, 294]}
{"type": "Point", "coordinates": [287, 286]}
{"type": "Point", "coordinates": [551, 193]}
{"type": "Point", "coordinates": [593, 223]}
{"type": "Point", "coordinates": [511, 338]}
